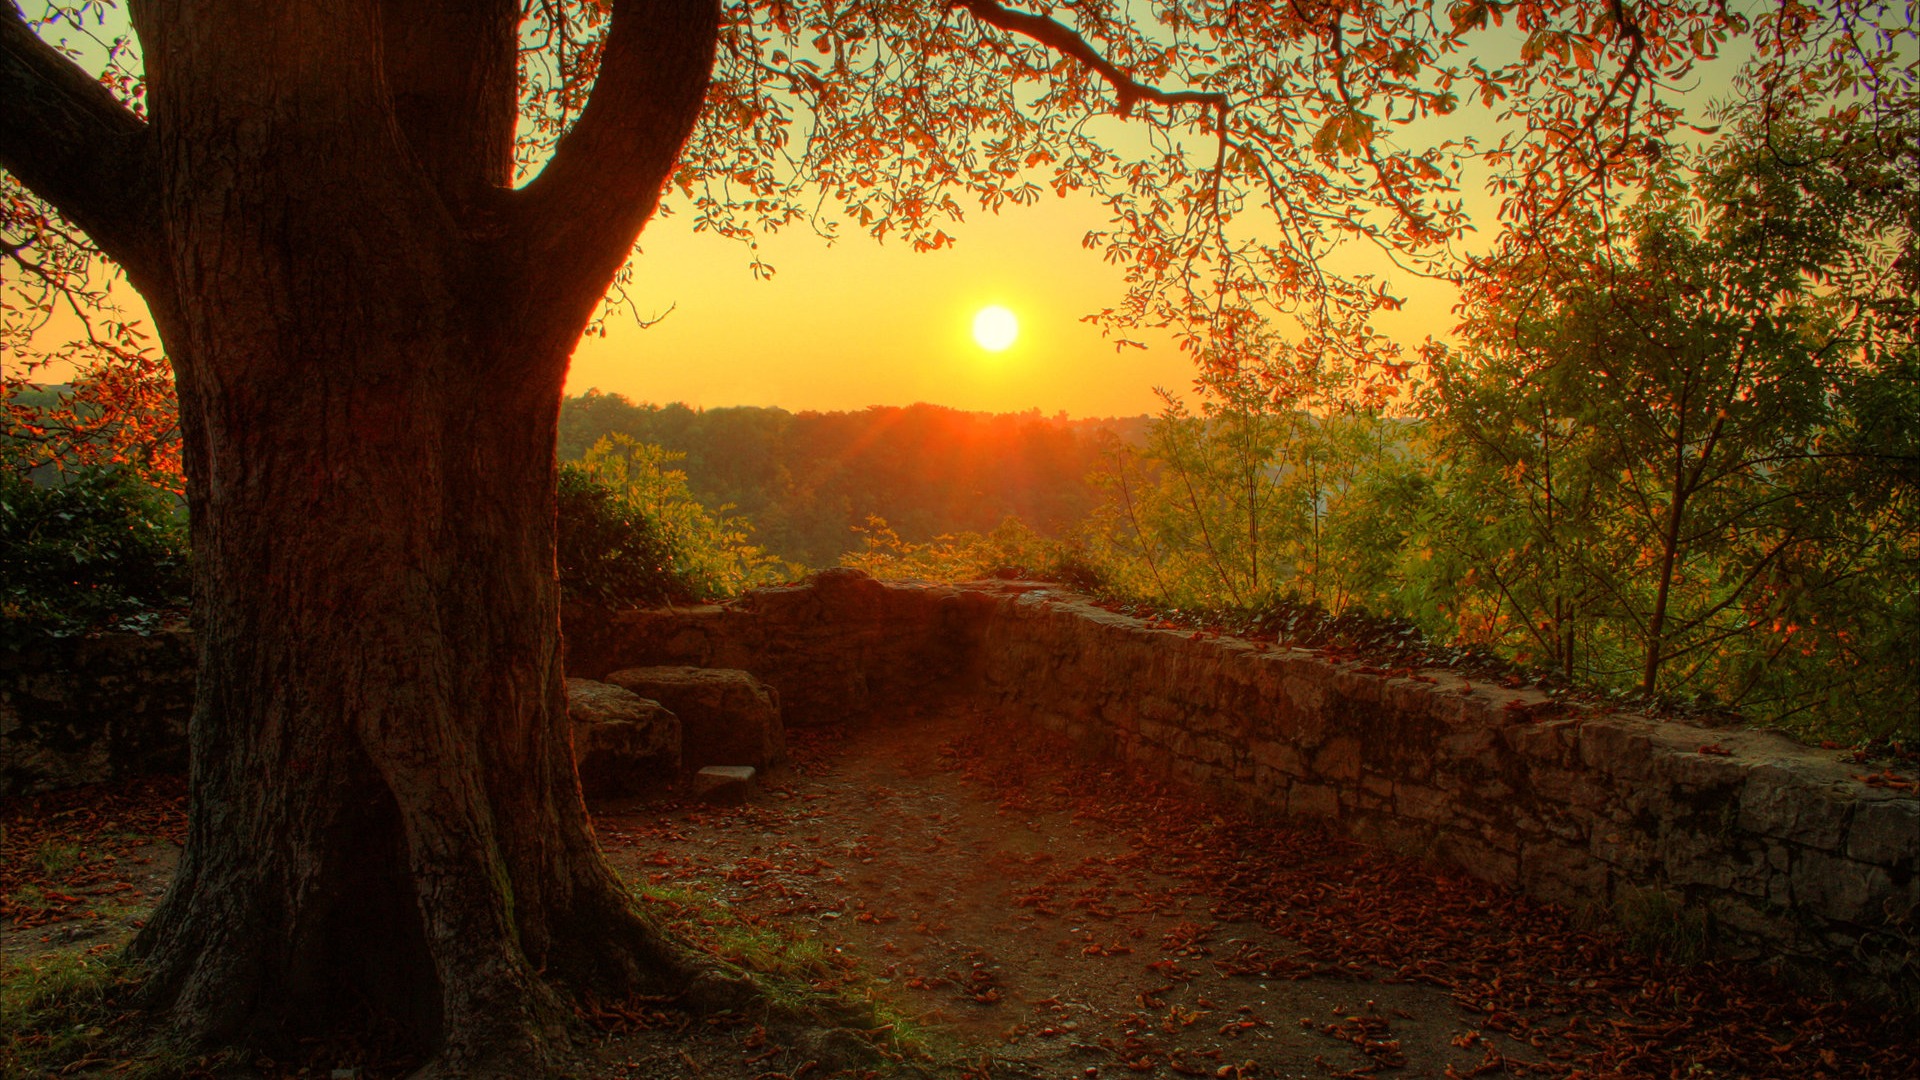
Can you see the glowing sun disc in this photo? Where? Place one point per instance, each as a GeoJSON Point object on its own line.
{"type": "Point", "coordinates": [995, 328]}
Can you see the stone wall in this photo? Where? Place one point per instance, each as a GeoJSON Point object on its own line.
{"type": "Point", "coordinates": [1780, 853]}
{"type": "Point", "coordinates": [836, 648]}
{"type": "Point", "coordinates": [85, 709]}
{"type": "Point", "coordinates": [1783, 853]}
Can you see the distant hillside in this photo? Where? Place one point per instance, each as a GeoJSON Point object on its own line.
{"type": "Point", "coordinates": [805, 479]}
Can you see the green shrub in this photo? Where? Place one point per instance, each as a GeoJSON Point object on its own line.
{"type": "Point", "coordinates": [609, 552]}
{"type": "Point", "coordinates": [1011, 550]}
{"type": "Point", "coordinates": [708, 549]}
{"type": "Point", "coordinates": [102, 550]}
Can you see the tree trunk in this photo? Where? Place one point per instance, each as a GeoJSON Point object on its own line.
{"type": "Point", "coordinates": [384, 811]}
{"type": "Point", "coordinates": [385, 817]}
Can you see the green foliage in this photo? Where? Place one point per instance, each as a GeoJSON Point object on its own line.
{"type": "Point", "coordinates": [608, 552]}
{"type": "Point", "coordinates": [1011, 549]}
{"type": "Point", "coordinates": [1673, 456]}
{"type": "Point", "coordinates": [801, 979]}
{"type": "Point", "coordinates": [102, 550]}
{"type": "Point", "coordinates": [1666, 463]}
{"type": "Point", "coordinates": [706, 551]}
{"type": "Point", "coordinates": [61, 1013]}
{"type": "Point", "coordinates": [1258, 496]}
{"type": "Point", "coordinates": [807, 479]}
{"type": "Point", "coordinates": [1657, 924]}
{"type": "Point", "coordinates": [53, 1011]}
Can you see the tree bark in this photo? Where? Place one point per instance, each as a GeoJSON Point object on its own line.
{"type": "Point", "coordinates": [370, 333]}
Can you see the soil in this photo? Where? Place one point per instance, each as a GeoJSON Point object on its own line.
{"type": "Point", "coordinates": [1023, 937]}
{"type": "Point", "coordinates": [993, 905]}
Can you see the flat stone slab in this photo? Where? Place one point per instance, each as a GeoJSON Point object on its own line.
{"type": "Point", "coordinates": [727, 717]}
{"type": "Point", "coordinates": [724, 783]}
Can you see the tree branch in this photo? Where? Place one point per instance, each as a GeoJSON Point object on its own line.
{"type": "Point", "coordinates": [73, 144]}
{"type": "Point", "coordinates": [577, 221]}
{"type": "Point", "coordinates": [1067, 43]}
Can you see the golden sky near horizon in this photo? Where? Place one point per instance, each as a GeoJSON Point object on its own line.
{"type": "Point", "coordinates": [859, 323]}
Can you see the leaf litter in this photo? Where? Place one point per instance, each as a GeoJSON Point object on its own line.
{"type": "Point", "coordinates": [1006, 907]}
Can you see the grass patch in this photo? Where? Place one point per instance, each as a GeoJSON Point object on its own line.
{"type": "Point", "coordinates": [1658, 924]}
{"type": "Point", "coordinates": [56, 1012]}
{"type": "Point", "coordinates": [806, 981]}
{"type": "Point", "coordinates": [70, 1013]}
{"type": "Point", "coordinates": [57, 858]}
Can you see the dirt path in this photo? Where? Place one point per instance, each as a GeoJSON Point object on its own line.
{"type": "Point", "coordinates": [1001, 907]}
{"type": "Point", "coordinates": [1041, 915]}
{"type": "Point", "coordinates": [1020, 935]}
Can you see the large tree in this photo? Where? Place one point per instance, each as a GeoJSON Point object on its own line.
{"type": "Point", "coordinates": [370, 232]}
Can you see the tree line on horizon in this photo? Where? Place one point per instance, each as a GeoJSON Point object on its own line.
{"type": "Point", "coordinates": [807, 481]}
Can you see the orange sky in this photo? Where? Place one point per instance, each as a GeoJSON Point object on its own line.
{"type": "Point", "coordinates": [858, 323]}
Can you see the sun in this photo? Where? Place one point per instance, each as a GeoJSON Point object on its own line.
{"type": "Point", "coordinates": [995, 328]}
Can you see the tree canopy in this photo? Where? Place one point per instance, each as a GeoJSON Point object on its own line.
{"type": "Point", "coordinates": [1236, 146]}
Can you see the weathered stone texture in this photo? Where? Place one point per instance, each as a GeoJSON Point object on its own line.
{"type": "Point", "coordinates": [1791, 858]}
{"type": "Point", "coordinates": [621, 741]}
{"type": "Point", "coordinates": [724, 784]}
{"type": "Point", "coordinates": [87, 709]}
{"type": "Point", "coordinates": [1886, 832]}
{"type": "Point", "coordinates": [727, 717]}
{"type": "Point", "coordinates": [834, 647]}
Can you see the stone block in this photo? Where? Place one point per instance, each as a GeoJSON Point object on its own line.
{"type": "Point", "coordinates": [1493, 790]}
{"type": "Point", "coordinates": [1478, 858]}
{"type": "Point", "coordinates": [1313, 801]}
{"type": "Point", "coordinates": [1475, 745]}
{"type": "Point", "coordinates": [1280, 756]}
{"type": "Point", "coordinates": [1338, 759]}
{"type": "Point", "coordinates": [1620, 748]}
{"type": "Point", "coordinates": [1625, 849]}
{"type": "Point", "coordinates": [1421, 803]}
{"type": "Point", "coordinates": [621, 741]}
{"type": "Point", "coordinates": [1840, 888]}
{"type": "Point", "coordinates": [1688, 857]}
{"type": "Point", "coordinates": [1564, 874]}
{"type": "Point", "coordinates": [1214, 752]}
{"type": "Point", "coordinates": [1394, 834]}
{"type": "Point", "coordinates": [724, 784]}
{"type": "Point", "coordinates": [727, 717]}
{"type": "Point", "coordinates": [1569, 787]}
{"type": "Point", "coordinates": [1885, 831]}
{"type": "Point", "coordinates": [1542, 742]}
{"type": "Point", "coordinates": [1781, 800]}
{"type": "Point", "coordinates": [1701, 772]}
{"type": "Point", "coordinates": [84, 710]}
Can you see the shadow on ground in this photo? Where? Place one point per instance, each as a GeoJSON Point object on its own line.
{"type": "Point", "coordinates": [1001, 907]}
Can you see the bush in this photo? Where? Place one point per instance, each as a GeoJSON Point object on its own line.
{"type": "Point", "coordinates": [609, 552]}
{"type": "Point", "coordinates": [1011, 550]}
{"type": "Point", "coordinates": [708, 549]}
{"type": "Point", "coordinates": [101, 551]}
